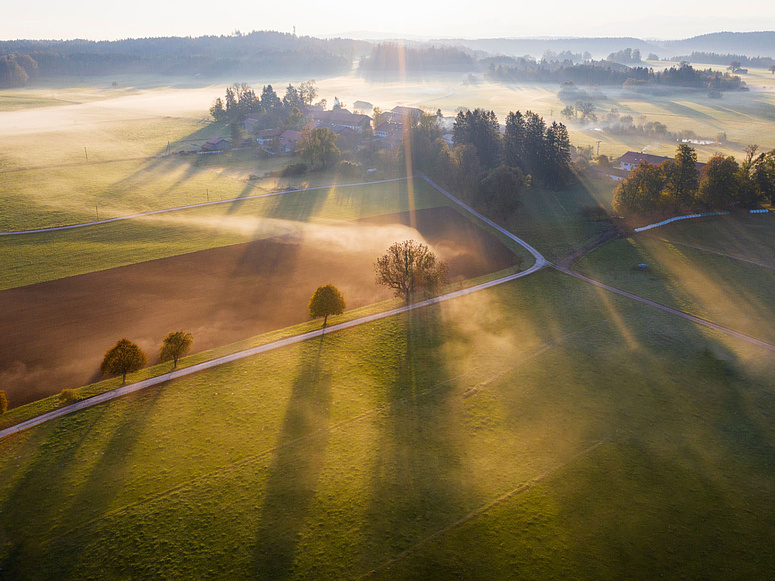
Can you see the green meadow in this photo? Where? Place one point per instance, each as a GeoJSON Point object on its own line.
{"type": "Point", "coordinates": [538, 429]}
{"type": "Point", "coordinates": [38, 257]}
{"type": "Point", "coordinates": [542, 428]}
{"type": "Point", "coordinates": [720, 269]}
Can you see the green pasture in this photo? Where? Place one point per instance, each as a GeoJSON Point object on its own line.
{"type": "Point", "coordinates": [699, 266]}
{"type": "Point", "coordinates": [580, 434]}
{"type": "Point", "coordinates": [552, 222]}
{"type": "Point", "coordinates": [45, 256]}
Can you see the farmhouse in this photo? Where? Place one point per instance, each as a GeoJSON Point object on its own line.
{"type": "Point", "coordinates": [289, 139]}
{"type": "Point", "coordinates": [386, 129]}
{"type": "Point", "coordinates": [341, 118]}
{"type": "Point", "coordinates": [632, 159]}
{"type": "Point", "coordinates": [216, 144]}
{"type": "Point", "coordinates": [399, 114]}
{"type": "Point", "coordinates": [250, 124]}
{"type": "Point", "coordinates": [266, 136]}
{"type": "Point", "coordinates": [613, 173]}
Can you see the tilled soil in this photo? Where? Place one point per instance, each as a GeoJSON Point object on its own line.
{"type": "Point", "coordinates": [54, 334]}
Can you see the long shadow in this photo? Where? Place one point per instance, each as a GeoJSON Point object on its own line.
{"type": "Point", "coordinates": [41, 493]}
{"type": "Point", "coordinates": [418, 482]}
{"type": "Point", "coordinates": [104, 482]}
{"type": "Point", "coordinates": [296, 467]}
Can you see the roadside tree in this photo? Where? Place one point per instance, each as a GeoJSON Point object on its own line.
{"type": "Point", "coordinates": [124, 358]}
{"type": "Point", "coordinates": [175, 346]}
{"type": "Point", "coordinates": [327, 300]}
{"type": "Point", "coordinates": [3, 402]}
{"type": "Point", "coordinates": [408, 267]}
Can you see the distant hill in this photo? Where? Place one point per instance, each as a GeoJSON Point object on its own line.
{"type": "Point", "coordinates": [597, 47]}
{"type": "Point", "coordinates": [744, 43]}
{"type": "Point", "coordinates": [239, 54]}
{"type": "Point", "coordinates": [750, 44]}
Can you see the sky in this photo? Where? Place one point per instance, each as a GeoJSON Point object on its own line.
{"type": "Point", "coordinates": [664, 19]}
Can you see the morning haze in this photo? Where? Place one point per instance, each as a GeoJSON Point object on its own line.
{"type": "Point", "coordinates": [485, 294]}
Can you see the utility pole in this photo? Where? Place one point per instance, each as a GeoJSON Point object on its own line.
{"type": "Point", "coordinates": [598, 149]}
{"type": "Point", "coordinates": [208, 194]}
{"type": "Point", "coordinates": [97, 210]}
{"type": "Point", "coordinates": [86, 153]}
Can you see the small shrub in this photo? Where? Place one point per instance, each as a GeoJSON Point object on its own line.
{"type": "Point", "coordinates": [350, 169]}
{"type": "Point", "coordinates": [295, 169]}
{"type": "Point", "coordinates": [68, 396]}
{"type": "Point", "coordinates": [3, 402]}
{"type": "Point", "coordinates": [595, 213]}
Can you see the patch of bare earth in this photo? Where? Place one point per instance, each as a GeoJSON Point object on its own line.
{"type": "Point", "coordinates": [54, 334]}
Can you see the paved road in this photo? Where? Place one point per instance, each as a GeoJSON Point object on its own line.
{"type": "Point", "coordinates": [127, 389]}
{"type": "Point", "coordinates": [201, 205]}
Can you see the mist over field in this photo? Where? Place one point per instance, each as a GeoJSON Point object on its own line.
{"type": "Point", "coordinates": [548, 352]}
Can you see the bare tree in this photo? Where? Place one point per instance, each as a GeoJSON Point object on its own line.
{"type": "Point", "coordinates": [408, 267]}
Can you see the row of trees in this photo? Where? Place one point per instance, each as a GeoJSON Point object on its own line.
{"type": "Point", "coordinates": [408, 268]}
{"type": "Point", "coordinates": [677, 185]}
{"type": "Point", "coordinates": [127, 357]}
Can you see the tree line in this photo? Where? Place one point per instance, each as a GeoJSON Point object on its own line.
{"type": "Point", "coordinates": [392, 58]}
{"type": "Point", "coordinates": [241, 101]}
{"type": "Point", "coordinates": [677, 185]}
{"type": "Point", "coordinates": [16, 70]}
{"type": "Point", "coordinates": [714, 58]}
{"type": "Point", "coordinates": [253, 53]}
{"type": "Point", "coordinates": [609, 73]}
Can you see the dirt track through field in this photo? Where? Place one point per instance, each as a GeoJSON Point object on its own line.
{"type": "Point", "coordinates": [54, 334]}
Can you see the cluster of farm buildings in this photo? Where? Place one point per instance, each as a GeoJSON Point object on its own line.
{"type": "Point", "coordinates": [348, 126]}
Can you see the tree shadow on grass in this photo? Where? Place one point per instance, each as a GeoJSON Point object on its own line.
{"type": "Point", "coordinates": [296, 467]}
{"type": "Point", "coordinates": [40, 495]}
{"type": "Point", "coordinates": [418, 484]}
{"type": "Point", "coordinates": [105, 481]}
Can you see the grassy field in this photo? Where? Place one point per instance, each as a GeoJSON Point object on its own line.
{"type": "Point", "coordinates": [544, 428]}
{"type": "Point", "coordinates": [356, 448]}
{"type": "Point", "coordinates": [695, 266]}
{"type": "Point", "coordinates": [47, 256]}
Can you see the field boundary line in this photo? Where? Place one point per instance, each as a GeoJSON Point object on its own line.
{"type": "Point", "coordinates": [540, 263]}
{"type": "Point", "coordinates": [383, 407]}
{"type": "Point", "coordinates": [79, 163]}
{"type": "Point", "coordinates": [380, 408]}
{"type": "Point", "coordinates": [192, 206]}
{"type": "Point", "coordinates": [672, 311]}
{"type": "Point", "coordinates": [482, 509]}
{"type": "Point", "coordinates": [709, 251]}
